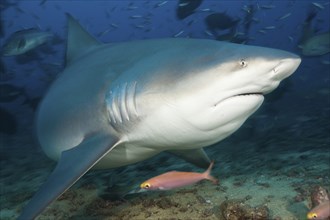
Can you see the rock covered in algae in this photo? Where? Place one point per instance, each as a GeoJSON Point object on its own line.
{"type": "Point", "coordinates": [319, 195]}
{"type": "Point", "coordinates": [236, 210]}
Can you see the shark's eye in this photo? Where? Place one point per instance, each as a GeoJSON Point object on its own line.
{"type": "Point", "coordinates": [243, 63]}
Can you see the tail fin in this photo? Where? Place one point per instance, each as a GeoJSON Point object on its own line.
{"type": "Point", "coordinates": [208, 172]}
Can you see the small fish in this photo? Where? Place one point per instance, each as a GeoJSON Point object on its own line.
{"type": "Point", "coordinates": [270, 28]}
{"type": "Point", "coordinates": [205, 9]}
{"type": "Point", "coordinates": [132, 7]}
{"type": "Point", "coordinates": [318, 5]}
{"type": "Point", "coordinates": [267, 6]}
{"type": "Point", "coordinates": [176, 179]}
{"type": "Point", "coordinates": [256, 20]}
{"type": "Point", "coordinates": [284, 16]}
{"type": "Point", "coordinates": [136, 16]}
{"type": "Point", "coordinates": [209, 33]}
{"type": "Point", "coordinates": [139, 26]}
{"type": "Point", "coordinates": [114, 25]}
{"type": "Point", "coordinates": [178, 34]}
{"type": "Point", "coordinates": [246, 9]}
{"type": "Point", "coordinates": [161, 3]}
{"type": "Point", "coordinates": [183, 4]}
{"type": "Point", "coordinates": [240, 34]}
{"type": "Point", "coordinates": [290, 38]}
{"type": "Point", "coordinates": [186, 8]}
{"type": "Point", "coordinates": [104, 32]}
{"type": "Point", "coordinates": [322, 211]}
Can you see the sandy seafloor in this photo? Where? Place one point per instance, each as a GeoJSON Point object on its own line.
{"type": "Point", "coordinates": [276, 167]}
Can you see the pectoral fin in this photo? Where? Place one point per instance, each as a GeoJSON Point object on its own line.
{"type": "Point", "coordinates": [195, 156]}
{"type": "Point", "coordinates": [73, 164]}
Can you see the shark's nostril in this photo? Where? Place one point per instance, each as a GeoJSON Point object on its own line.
{"type": "Point", "coordinates": [285, 68]}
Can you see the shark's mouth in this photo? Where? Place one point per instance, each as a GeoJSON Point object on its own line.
{"type": "Point", "coordinates": [241, 96]}
{"type": "Point", "coordinates": [247, 94]}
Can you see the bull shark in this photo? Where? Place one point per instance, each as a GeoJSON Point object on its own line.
{"type": "Point", "coordinates": [317, 45]}
{"type": "Point", "coordinates": [118, 104]}
{"type": "Point", "coordinates": [23, 41]}
{"type": "Point", "coordinates": [312, 43]}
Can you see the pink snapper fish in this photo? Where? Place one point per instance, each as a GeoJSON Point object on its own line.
{"type": "Point", "coordinates": [320, 212]}
{"type": "Point", "coordinates": [175, 179]}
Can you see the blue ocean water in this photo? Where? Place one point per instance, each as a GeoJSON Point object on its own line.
{"type": "Point", "coordinates": [286, 143]}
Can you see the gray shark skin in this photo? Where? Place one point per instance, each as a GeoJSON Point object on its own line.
{"type": "Point", "coordinates": [118, 104]}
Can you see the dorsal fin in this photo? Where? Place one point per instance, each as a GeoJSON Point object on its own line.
{"type": "Point", "coordinates": [79, 40]}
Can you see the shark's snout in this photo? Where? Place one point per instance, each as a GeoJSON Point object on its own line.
{"type": "Point", "coordinates": [286, 67]}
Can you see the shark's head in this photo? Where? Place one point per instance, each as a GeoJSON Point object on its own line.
{"type": "Point", "coordinates": [226, 84]}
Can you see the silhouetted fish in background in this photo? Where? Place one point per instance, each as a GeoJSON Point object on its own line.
{"type": "Point", "coordinates": [186, 8]}
{"type": "Point", "coordinates": [307, 30]}
{"type": "Point", "coordinates": [220, 21]}
{"type": "Point", "coordinates": [232, 37]}
{"type": "Point", "coordinates": [317, 45]}
{"type": "Point", "coordinates": [248, 19]}
{"type": "Point", "coordinates": [9, 92]}
{"type": "Point", "coordinates": [23, 41]}
{"type": "Point", "coordinates": [32, 102]}
{"type": "Point", "coordinates": [310, 43]}
{"type": "Point", "coordinates": [28, 57]}
{"type": "Point", "coordinates": [8, 123]}
{"type": "Point", "coordinates": [4, 74]}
